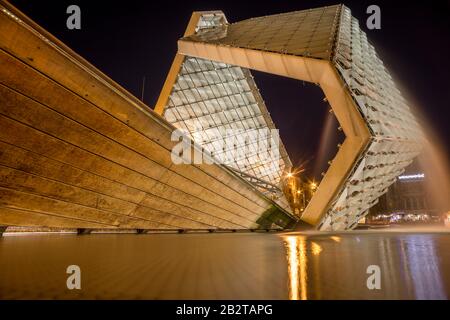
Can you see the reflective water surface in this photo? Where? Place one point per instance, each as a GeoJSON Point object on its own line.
{"type": "Point", "coordinates": [226, 266]}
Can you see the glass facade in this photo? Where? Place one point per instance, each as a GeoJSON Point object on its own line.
{"type": "Point", "coordinates": [211, 95]}
{"type": "Point", "coordinates": [396, 136]}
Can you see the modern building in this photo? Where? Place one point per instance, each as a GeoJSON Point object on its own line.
{"type": "Point", "coordinates": [324, 46]}
{"type": "Point", "coordinates": [79, 151]}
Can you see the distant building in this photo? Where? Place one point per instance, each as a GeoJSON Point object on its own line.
{"type": "Point", "coordinates": [298, 192]}
{"type": "Point", "coordinates": [407, 200]}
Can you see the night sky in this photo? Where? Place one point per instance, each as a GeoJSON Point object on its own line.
{"type": "Point", "coordinates": [131, 39]}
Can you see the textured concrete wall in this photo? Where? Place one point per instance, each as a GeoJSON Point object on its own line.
{"type": "Point", "coordinates": [78, 151]}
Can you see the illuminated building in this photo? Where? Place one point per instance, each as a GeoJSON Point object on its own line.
{"type": "Point", "coordinates": [407, 200]}
{"type": "Point", "coordinates": [324, 46]}
{"type": "Point", "coordinates": [78, 151]}
{"type": "Point", "coordinates": [85, 153]}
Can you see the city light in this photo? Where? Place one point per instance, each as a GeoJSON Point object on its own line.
{"type": "Point", "coordinates": [412, 176]}
{"type": "Point", "coordinates": [316, 248]}
{"type": "Point", "coordinates": [335, 239]}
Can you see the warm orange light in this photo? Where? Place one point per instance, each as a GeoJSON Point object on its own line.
{"type": "Point", "coordinates": [297, 267]}
{"type": "Point", "coordinates": [316, 248]}
{"type": "Point", "coordinates": [335, 239]}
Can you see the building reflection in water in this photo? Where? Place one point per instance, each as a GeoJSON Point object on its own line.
{"type": "Point", "coordinates": [423, 267]}
{"type": "Point", "coordinates": [332, 267]}
{"type": "Point", "coordinates": [227, 266]}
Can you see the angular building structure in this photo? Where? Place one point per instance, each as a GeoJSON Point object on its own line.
{"type": "Point", "coordinates": [78, 151]}
{"type": "Point", "coordinates": [210, 82]}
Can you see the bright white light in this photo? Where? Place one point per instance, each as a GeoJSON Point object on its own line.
{"type": "Point", "coordinates": [412, 176]}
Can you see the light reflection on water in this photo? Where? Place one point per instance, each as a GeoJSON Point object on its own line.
{"type": "Point", "coordinates": [227, 266]}
{"type": "Point", "coordinates": [424, 268]}
{"type": "Point", "coordinates": [334, 267]}
{"type": "Point", "coordinates": [297, 261]}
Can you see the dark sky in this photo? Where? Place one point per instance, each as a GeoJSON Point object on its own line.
{"type": "Point", "coordinates": [130, 39]}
